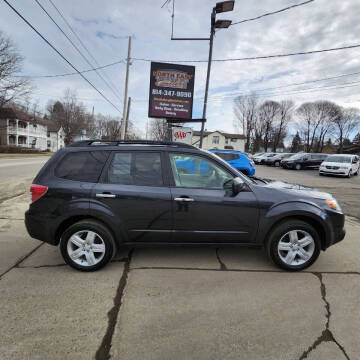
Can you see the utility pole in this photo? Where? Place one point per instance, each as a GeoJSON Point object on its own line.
{"type": "Point", "coordinates": [212, 32]}
{"type": "Point", "coordinates": [123, 123]}
{"type": "Point", "coordinates": [127, 117]}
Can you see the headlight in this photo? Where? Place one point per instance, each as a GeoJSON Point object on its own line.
{"type": "Point", "coordinates": [333, 204]}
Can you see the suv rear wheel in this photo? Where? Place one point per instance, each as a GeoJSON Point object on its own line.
{"type": "Point", "coordinates": [87, 245]}
{"type": "Point", "coordinates": [293, 245]}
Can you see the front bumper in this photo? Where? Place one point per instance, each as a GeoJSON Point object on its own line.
{"type": "Point", "coordinates": [342, 172]}
{"type": "Point", "coordinates": [336, 222]}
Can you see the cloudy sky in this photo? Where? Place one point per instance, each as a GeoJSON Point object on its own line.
{"type": "Point", "coordinates": [104, 27]}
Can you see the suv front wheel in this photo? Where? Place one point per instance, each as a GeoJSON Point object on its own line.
{"type": "Point", "coordinates": [87, 245]}
{"type": "Point", "coordinates": [293, 245]}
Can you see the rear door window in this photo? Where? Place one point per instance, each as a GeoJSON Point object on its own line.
{"type": "Point", "coordinates": [83, 166]}
{"type": "Point", "coordinates": [135, 168]}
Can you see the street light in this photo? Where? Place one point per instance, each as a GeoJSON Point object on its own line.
{"type": "Point", "coordinates": [222, 24]}
{"type": "Point", "coordinates": [219, 24]}
{"type": "Point", "coordinates": [224, 6]}
{"type": "Point", "coordinates": [220, 7]}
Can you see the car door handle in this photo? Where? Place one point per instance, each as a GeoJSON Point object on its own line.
{"type": "Point", "coordinates": [183, 199]}
{"type": "Point", "coordinates": [103, 195]}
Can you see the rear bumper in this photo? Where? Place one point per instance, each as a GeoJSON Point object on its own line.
{"type": "Point", "coordinates": [39, 228]}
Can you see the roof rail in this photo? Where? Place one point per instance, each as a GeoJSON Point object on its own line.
{"type": "Point", "coordinates": [99, 142]}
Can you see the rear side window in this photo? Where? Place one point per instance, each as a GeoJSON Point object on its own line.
{"type": "Point", "coordinates": [82, 166]}
{"type": "Point", "coordinates": [135, 168]}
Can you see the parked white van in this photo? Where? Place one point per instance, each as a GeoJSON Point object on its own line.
{"type": "Point", "coordinates": [340, 164]}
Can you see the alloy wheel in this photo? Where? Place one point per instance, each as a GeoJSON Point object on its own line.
{"type": "Point", "coordinates": [86, 248]}
{"type": "Point", "coordinates": [296, 247]}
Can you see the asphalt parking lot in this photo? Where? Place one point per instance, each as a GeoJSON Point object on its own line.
{"type": "Point", "coordinates": [180, 303]}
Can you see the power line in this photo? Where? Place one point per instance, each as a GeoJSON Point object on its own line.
{"type": "Point", "coordinates": [296, 84]}
{"type": "Point", "coordinates": [75, 47]}
{"type": "Point", "coordinates": [60, 54]}
{"type": "Point", "coordinates": [73, 73]}
{"type": "Point", "coordinates": [80, 41]}
{"type": "Point", "coordinates": [257, 57]}
{"type": "Point", "coordinates": [272, 13]}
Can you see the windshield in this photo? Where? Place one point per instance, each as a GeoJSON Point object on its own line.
{"type": "Point", "coordinates": [339, 159]}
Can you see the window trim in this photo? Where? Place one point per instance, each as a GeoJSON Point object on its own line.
{"type": "Point", "coordinates": [171, 175]}
{"type": "Point", "coordinates": [103, 179]}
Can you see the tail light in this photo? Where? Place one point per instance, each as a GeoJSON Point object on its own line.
{"type": "Point", "coordinates": [37, 191]}
{"type": "Point", "coordinates": [252, 163]}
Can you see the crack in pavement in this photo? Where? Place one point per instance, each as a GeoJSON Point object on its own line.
{"type": "Point", "coordinates": [12, 196]}
{"type": "Point", "coordinates": [326, 335]}
{"type": "Point", "coordinates": [21, 260]}
{"type": "Point", "coordinates": [103, 352]}
{"type": "Point", "coordinates": [222, 264]}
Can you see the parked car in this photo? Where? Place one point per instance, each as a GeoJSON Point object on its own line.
{"type": "Point", "coordinates": [275, 160]}
{"type": "Point", "coordinates": [342, 164]}
{"type": "Point", "coordinates": [303, 161]}
{"type": "Point", "coordinates": [94, 197]}
{"type": "Point", "coordinates": [262, 158]}
{"type": "Point", "coordinates": [237, 159]}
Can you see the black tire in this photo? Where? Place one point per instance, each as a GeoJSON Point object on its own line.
{"type": "Point", "coordinates": [277, 163]}
{"type": "Point", "coordinates": [349, 174]}
{"type": "Point", "coordinates": [298, 167]}
{"type": "Point", "coordinates": [94, 226]}
{"type": "Point", "coordinates": [283, 228]}
{"type": "Point", "coordinates": [356, 173]}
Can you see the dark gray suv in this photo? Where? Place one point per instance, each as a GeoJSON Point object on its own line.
{"type": "Point", "coordinates": [93, 197]}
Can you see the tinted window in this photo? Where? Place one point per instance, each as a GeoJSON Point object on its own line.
{"type": "Point", "coordinates": [197, 172]}
{"type": "Point", "coordinates": [135, 168]}
{"type": "Point", "coordinates": [227, 156]}
{"type": "Point", "coordinates": [82, 165]}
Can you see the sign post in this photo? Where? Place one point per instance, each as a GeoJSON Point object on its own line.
{"type": "Point", "coordinates": [171, 91]}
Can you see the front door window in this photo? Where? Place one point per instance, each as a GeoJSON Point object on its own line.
{"type": "Point", "coordinates": [192, 171]}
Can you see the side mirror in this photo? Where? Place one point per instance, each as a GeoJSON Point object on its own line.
{"type": "Point", "coordinates": [354, 161]}
{"type": "Point", "coordinates": [237, 185]}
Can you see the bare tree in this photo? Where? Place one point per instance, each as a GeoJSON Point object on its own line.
{"type": "Point", "coordinates": [305, 121]}
{"type": "Point", "coordinates": [158, 129]}
{"type": "Point", "coordinates": [282, 120]}
{"type": "Point", "coordinates": [11, 87]}
{"type": "Point", "coordinates": [345, 124]}
{"type": "Point", "coordinates": [245, 109]}
{"type": "Point", "coordinates": [268, 112]}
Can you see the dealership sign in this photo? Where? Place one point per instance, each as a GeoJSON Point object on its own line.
{"type": "Point", "coordinates": [171, 91]}
{"type": "Point", "coordinates": [182, 134]}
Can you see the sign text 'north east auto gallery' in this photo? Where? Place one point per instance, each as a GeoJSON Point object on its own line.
{"type": "Point", "coordinates": [171, 91]}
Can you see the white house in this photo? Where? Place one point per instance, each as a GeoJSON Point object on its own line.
{"type": "Point", "coordinates": [219, 140]}
{"type": "Point", "coordinates": [55, 137]}
{"type": "Point", "coordinates": [17, 128]}
{"type": "Point", "coordinates": [20, 129]}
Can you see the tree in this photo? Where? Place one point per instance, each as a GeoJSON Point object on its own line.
{"type": "Point", "coordinates": [268, 112]}
{"type": "Point", "coordinates": [245, 109]}
{"type": "Point", "coordinates": [283, 119]}
{"type": "Point", "coordinates": [296, 143]}
{"type": "Point", "coordinates": [315, 121]}
{"type": "Point", "coordinates": [356, 139]}
{"type": "Point", "coordinates": [345, 125]}
{"type": "Point", "coordinates": [158, 129]}
{"type": "Point", "coordinates": [11, 87]}
{"type": "Point", "coordinates": [70, 115]}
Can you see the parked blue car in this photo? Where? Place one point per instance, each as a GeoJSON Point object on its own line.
{"type": "Point", "coordinates": [237, 159]}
